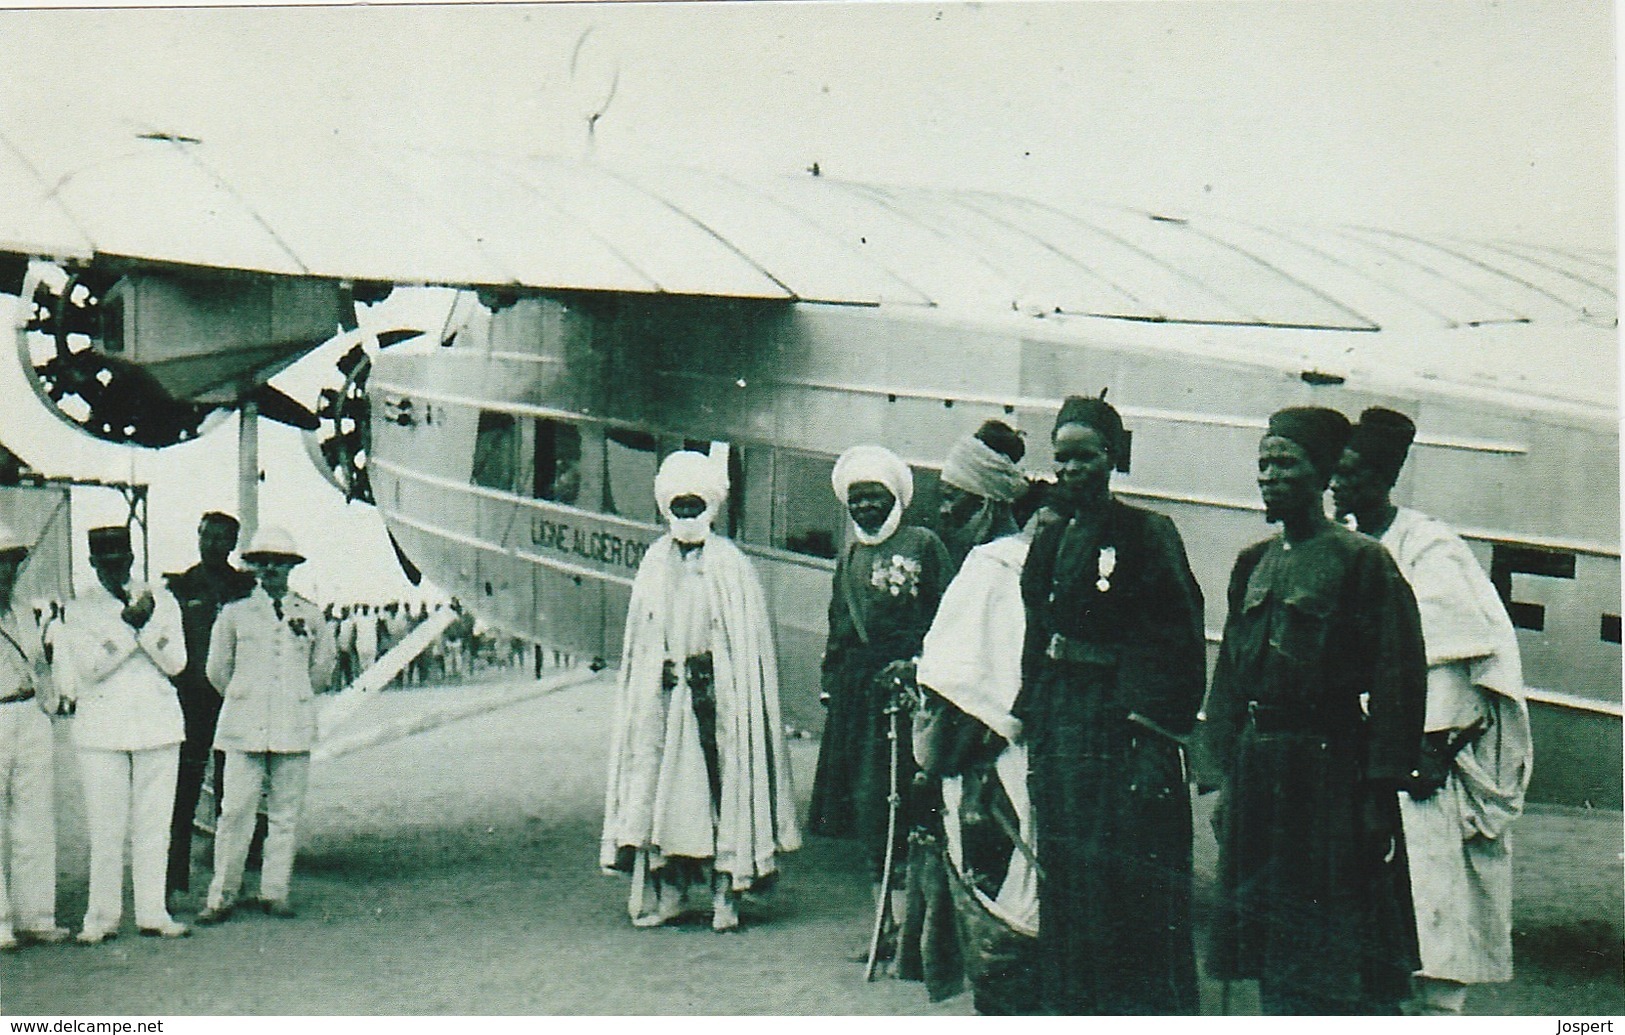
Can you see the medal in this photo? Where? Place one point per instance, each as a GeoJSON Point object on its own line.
{"type": "Point", "coordinates": [1107, 565]}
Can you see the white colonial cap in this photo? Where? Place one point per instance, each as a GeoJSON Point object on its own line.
{"type": "Point", "coordinates": [11, 541]}
{"type": "Point", "coordinates": [273, 544]}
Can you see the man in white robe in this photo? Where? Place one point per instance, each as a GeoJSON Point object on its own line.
{"type": "Point", "coordinates": [1459, 807]}
{"type": "Point", "coordinates": [699, 786]}
{"type": "Point", "coordinates": [970, 672]}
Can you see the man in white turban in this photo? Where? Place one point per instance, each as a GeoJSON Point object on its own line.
{"type": "Point", "coordinates": [980, 481]}
{"type": "Point", "coordinates": [699, 787]}
{"type": "Point", "coordinates": [887, 585]}
{"type": "Point", "coordinates": [973, 808]}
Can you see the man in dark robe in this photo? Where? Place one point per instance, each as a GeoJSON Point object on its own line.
{"type": "Point", "coordinates": [1112, 673]}
{"type": "Point", "coordinates": [887, 585]}
{"type": "Point", "coordinates": [1314, 720]}
{"type": "Point", "coordinates": [201, 590]}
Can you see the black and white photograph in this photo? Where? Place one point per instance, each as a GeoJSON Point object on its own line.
{"type": "Point", "coordinates": [1089, 508]}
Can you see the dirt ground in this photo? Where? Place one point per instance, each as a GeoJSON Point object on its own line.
{"type": "Point", "coordinates": [454, 872]}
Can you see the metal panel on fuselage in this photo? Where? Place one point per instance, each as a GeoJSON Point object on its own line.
{"type": "Point", "coordinates": [782, 382]}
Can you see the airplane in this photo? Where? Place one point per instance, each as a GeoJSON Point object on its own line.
{"type": "Point", "coordinates": [606, 316]}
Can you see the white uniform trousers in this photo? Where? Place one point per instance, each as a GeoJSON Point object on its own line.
{"type": "Point", "coordinates": [129, 795]}
{"type": "Point", "coordinates": [27, 819]}
{"type": "Point", "coordinates": [283, 777]}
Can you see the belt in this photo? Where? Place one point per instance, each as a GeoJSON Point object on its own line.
{"type": "Point", "coordinates": [21, 695]}
{"type": "Point", "coordinates": [1275, 718]}
{"type": "Point", "coordinates": [1079, 652]}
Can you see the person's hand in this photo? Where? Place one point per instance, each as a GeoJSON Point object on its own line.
{"type": "Point", "coordinates": [298, 627]}
{"type": "Point", "coordinates": [138, 611]}
{"type": "Point", "coordinates": [1216, 821]}
{"type": "Point", "coordinates": [898, 679]}
{"type": "Point", "coordinates": [900, 671]}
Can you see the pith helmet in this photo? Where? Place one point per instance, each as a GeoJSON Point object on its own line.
{"type": "Point", "coordinates": [273, 544]}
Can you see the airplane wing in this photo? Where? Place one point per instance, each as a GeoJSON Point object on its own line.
{"type": "Point", "coordinates": [128, 199]}
{"type": "Point", "coordinates": [197, 269]}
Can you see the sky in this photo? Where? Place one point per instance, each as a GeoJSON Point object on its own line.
{"type": "Point", "coordinates": [1474, 118]}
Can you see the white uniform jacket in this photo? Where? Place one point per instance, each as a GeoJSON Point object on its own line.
{"type": "Point", "coordinates": [22, 660]}
{"type": "Point", "coordinates": [268, 673]}
{"type": "Point", "coordinates": [119, 675]}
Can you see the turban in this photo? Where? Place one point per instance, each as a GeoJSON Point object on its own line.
{"type": "Point", "coordinates": [873, 464]}
{"type": "Point", "coordinates": [687, 473]}
{"type": "Point", "coordinates": [980, 470]}
{"type": "Point", "coordinates": [1383, 438]}
{"type": "Point", "coordinates": [1098, 414]}
{"type": "Point", "coordinates": [1321, 432]}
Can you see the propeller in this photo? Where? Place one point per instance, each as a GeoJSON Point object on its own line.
{"type": "Point", "coordinates": [101, 394]}
{"type": "Point", "coordinates": [339, 442]}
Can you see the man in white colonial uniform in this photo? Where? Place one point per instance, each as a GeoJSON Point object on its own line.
{"type": "Point", "coordinates": [121, 642]}
{"type": "Point", "coordinates": [27, 772]}
{"type": "Point", "coordinates": [1459, 805]}
{"type": "Point", "coordinates": [267, 655]}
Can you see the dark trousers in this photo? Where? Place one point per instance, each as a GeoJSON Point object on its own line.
{"type": "Point", "coordinates": [201, 708]}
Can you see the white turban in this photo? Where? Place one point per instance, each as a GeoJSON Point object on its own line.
{"type": "Point", "coordinates": [874, 464]}
{"type": "Point", "coordinates": [980, 470]}
{"type": "Point", "coordinates": [870, 463]}
{"type": "Point", "coordinates": [687, 473]}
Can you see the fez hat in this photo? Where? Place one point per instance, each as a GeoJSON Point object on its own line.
{"type": "Point", "coordinates": [1383, 438]}
{"type": "Point", "coordinates": [1095, 413]}
{"type": "Point", "coordinates": [1321, 432]}
{"type": "Point", "coordinates": [110, 541]}
{"type": "Point", "coordinates": [11, 543]}
{"type": "Point", "coordinates": [273, 544]}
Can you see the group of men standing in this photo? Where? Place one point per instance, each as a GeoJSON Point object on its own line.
{"type": "Point", "coordinates": [1365, 729]}
{"type": "Point", "coordinates": [153, 678]}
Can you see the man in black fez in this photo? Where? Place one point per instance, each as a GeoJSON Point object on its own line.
{"type": "Point", "coordinates": [201, 590]}
{"type": "Point", "coordinates": [1313, 720]}
{"type": "Point", "coordinates": [1460, 803]}
{"type": "Point", "coordinates": [1095, 412]}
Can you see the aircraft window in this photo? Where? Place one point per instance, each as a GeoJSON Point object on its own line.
{"type": "Point", "coordinates": [558, 461]}
{"type": "Point", "coordinates": [750, 501]}
{"type": "Point", "coordinates": [496, 451]}
{"type": "Point", "coordinates": [807, 517]}
{"type": "Point", "coordinates": [922, 509]}
{"type": "Point", "coordinates": [630, 461]}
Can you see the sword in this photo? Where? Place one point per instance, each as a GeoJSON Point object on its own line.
{"type": "Point", "coordinates": [894, 802]}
